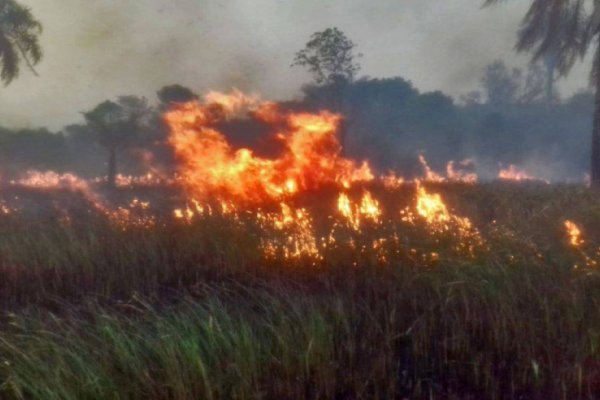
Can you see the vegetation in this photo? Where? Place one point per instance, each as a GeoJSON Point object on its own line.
{"type": "Point", "coordinates": [391, 124]}
{"type": "Point", "coordinates": [565, 30]}
{"type": "Point", "coordinates": [19, 40]}
{"type": "Point", "coordinates": [115, 125]}
{"type": "Point", "coordinates": [127, 296]}
{"type": "Point", "coordinates": [195, 310]}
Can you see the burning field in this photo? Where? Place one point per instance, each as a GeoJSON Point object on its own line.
{"type": "Point", "coordinates": [296, 274]}
{"type": "Point", "coordinates": [300, 205]}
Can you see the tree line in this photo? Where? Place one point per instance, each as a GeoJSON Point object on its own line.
{"type": "Point", "coordinates": [515, 117]}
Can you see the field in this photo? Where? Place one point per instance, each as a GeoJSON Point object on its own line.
{"type": "Point", "coordinates": [492, 297]}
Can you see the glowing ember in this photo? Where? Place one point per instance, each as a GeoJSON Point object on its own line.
{"type": "Point", "coordinates": [51, 180]}
{"type": "Point", "coordinates": [289, 234]}
{"type": "Point", "coordinates": [368, 209]}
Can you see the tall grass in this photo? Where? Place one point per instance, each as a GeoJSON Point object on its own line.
{"type": "Point", "coordinates": [195, 312]}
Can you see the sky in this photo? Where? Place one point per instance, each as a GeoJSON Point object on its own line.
{"type": "Point", "coordinates": [100, 49]}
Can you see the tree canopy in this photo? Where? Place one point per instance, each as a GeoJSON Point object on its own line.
{"type": "Point", "coordinates": [19, 40]}
{"type": "Point", "coordinates": [329, 56]}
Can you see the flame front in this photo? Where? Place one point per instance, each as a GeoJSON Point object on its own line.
{"type": "Point", "coordinates": [208, 164]}
{"type": "Point", "coordinates": [308, 203]}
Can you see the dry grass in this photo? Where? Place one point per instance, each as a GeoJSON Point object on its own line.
{"type": "Point", "coordinates": [188, 311]}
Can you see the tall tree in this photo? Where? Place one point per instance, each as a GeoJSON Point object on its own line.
{"type": "Point", "coordinates": [330, 57]}
{"type": "Point", "coordinates": [19, 40]}
{"type": "Point", "coordinates": [116, 125]}
{"type": "Point", "coordinates": [566, 30]}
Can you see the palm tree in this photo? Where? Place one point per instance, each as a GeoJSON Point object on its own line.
{"type": "Point", "coordinates": [566, 30]}
{"type": "Point", "coordinates": [19, 40]}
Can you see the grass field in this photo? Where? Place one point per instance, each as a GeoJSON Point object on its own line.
{"type": "Point", "coordinates": [240, 304]}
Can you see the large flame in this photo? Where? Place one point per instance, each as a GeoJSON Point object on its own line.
{"type": "Point", "coordinates": [209, 164]}
{"type": "Point", "coordinates": [267, 195]}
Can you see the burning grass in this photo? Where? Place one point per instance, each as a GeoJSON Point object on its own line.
{"type": "Point", "coordinates": [373, 293]}
{"type": "Point", "coordinates": [297, 276]}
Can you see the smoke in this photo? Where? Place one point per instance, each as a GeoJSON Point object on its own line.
{"type": "Point", "coordinates": [102, 49]}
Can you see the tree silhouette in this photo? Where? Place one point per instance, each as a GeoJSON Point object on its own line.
{"type": "Point", "coordinates": [175, 94]}
{"type": "Point", "coordinates": [116, 125]}
{"type": "Point", "coordinates": [501, 85]}
{"type": "Point", "coordinates": [19, 40]}
{"type": "Point", "coordinates": [330, 58]}
{"type": "Point", "coordinates": [566, 30]}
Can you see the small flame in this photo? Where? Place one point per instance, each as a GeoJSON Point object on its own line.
{"type": "Point", "coordinates": [574, 234]}
{"type": "Point", "coordinates": [513, 173]}
{"type": "Point", "coordinates": [431, 207]}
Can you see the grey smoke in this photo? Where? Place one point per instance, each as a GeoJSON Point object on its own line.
{"type": "Point", "coordinates": [100, 49]}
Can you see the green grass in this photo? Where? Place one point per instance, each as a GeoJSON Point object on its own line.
{"type": "Point", "coordinates": [194, 311]}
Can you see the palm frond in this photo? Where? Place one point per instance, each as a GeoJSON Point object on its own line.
{"type": "Point", "coordinates": [19, 35]}
{"type": "Point", "coordinates": [9, 61]}
{"type": "Point", "coordinates": [556, 28]}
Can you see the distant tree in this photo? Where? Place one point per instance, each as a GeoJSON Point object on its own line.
{"type": "Point", "coordinates": [116, 125]}
{"type": "Point", "coordinates": [500, 84]}
{"type": "Point", "coordinates": [19, 40]}
{"type": "Point", "coordinates": [535, 87]}
{"type": "Point", "coordinates": [568, 29]}
{"type": "Point", "coordinates": [329, 56]}
{"type": "Point", "coordinates": [175, 94]}
{"type": "Point", "coordinates": [39, 148]}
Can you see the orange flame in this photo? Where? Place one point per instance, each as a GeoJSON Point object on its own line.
{"type": "Point", "coordinates": [513, 173]}
{"type": "Point", "coordinates": [368, 209]}
{"type": "Point", "coordinates": [430, 175]}
{"type": "Point", "coordinates": [458, 174]}
{"type": "Point", "coordinates": [209, 164]}
{"type": "Point", "coordinates": [574, 233]}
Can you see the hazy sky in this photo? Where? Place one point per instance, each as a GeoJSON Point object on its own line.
{"type": "Point", "coordinates": [99, 49]}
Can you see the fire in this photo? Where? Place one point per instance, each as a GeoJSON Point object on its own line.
{"type": "Point", "coordinates": [431, 207]}
{"type": "Point", "coordinates": [272, 199]}
{"type": "Point", "coordinates": [289, 234]}
{"type": "Point", "coordinates": [576, 241]}
{"type": "Point", "coordinates": [513, 173]}
{"type": "Point", "coordinates": [574, 234]}
{"type": "Point", "coordinates": [430, 175]}
{"type": "Point", "coordinates": [368, 209]}
{"type": "Point", "coordinates": [459, 174]}
{"type": "Point", "coordinates": [455, 172]}
{"type": "Point", "coordinates": [209, 164]}
{"type": "Point", "coordinates": [52, 180]}
{"type": "Point", "coordinates": [440, 220]}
